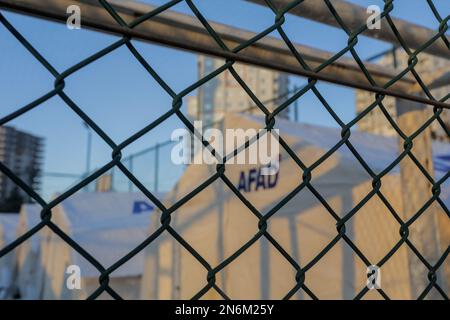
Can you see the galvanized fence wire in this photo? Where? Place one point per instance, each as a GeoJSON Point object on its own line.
{"type": "Point", "coordinates": [220, 175]}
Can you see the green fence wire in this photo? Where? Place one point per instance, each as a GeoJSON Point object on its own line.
{"type": "Point", "coordinates": [149, 164]}
{"type": "Point", "coordinates": [220, 175]}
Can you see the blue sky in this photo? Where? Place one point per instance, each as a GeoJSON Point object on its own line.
{"type": "Point", "coordinates": [122, 98]}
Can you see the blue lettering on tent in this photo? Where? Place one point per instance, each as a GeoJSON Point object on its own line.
{"type": "Point", "coordinates": [260, 182]}
{"type": "Point", "coordinates": [142, 206]}
{"type": "Point", "coordinates": [442, 163]}
{"type": "Point", "coordinates": [253, 180]}
{"type": "Point", "coordinates": [242, 182]}
{"type": "Point", "coordinates": [444, 157]}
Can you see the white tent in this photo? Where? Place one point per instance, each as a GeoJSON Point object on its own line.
{"type": "Point", "coordinates": [108, 226]}
{"type": "Point", "coordinates": [216, 223]}
{"type": "Point", "coordinates": [31, 253]}
{"type": "Point", "coordinates": [8, 225]}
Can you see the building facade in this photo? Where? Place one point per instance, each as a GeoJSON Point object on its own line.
{"type": "Point", "coordinates": [375, 122]}
{"type": "Point", "coordinates": [22, 154]}
{"type": "Point", "coordinates": [224, 94]}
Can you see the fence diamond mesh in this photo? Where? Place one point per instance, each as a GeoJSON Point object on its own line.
{"type": "Point", "coordinates": [117, 161]}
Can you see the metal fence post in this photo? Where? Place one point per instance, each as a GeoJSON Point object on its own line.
{"type": "Point", "coordinates": [416, 191]}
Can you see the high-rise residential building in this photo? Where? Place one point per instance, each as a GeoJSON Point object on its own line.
{"type": "Point", "coordinates": [22, 154]}
{"type": "Point", "coordinates": [375, 122]}
{"type": "Point", "coordinates": [224, 94]}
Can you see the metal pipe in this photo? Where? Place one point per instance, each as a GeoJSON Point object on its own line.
{"type": "Point", "coordinates": [356, 16]}
{"type": "Point", "coordinates": [185, 32]}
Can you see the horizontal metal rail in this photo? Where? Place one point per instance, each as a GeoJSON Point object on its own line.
{"type": "Point", "coordinates": [62, 175]}
{"type": "Point", "coordinates": [185, 32]}
{"type": "Point", "coordinates": [355, 16]}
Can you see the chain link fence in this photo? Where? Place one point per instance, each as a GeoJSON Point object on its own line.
{"type": "Point", "coordinates": [145, 163]}
{"type": "Point", "coordinates": [118, 163]}
{"type": "Point", "coordinates": [149, 164]}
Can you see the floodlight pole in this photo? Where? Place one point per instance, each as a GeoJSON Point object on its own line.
{"type": "Point", "coordinates": [130, 183]}
{"type": "Point", "coordinates": [156, 182]}
{"type": "Point", "coordinates": [88, 152]}
{"type": "Point", "coordinates": [296, 106]}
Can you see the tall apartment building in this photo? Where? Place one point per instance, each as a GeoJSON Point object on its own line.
{"type": "Point", "coordinates": [21, 153]}
{"type": "Point", "coordinates": [375, 122]}
{"type": "Point", "coordinates": [224, 94]}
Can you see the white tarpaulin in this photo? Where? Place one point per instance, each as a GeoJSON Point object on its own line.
{"type": "Point", "coordinates": [108, 226]}
{"type": "Point", "coordinates": [216, 223]}
{"type": "Point", "coordinates": [8, 225]}
{"type": "Point", "coordinates": [30, 254]}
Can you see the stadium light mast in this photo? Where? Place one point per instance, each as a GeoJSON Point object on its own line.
{"type": "Point", "coordinates": [88, 150]}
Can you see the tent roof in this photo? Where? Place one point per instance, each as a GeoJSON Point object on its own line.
{"type": "Point", "coordinates": [108, 225]}
{"type": "Point", "coordinates": [378, 151]}
{"type": "Point", "coordinates": [109, 245]}
{"type": "Point", "coordinates": [9, 222]}
{"type": "Point", "coordinates": [32, 213]}
{"type": "Point", "coordinates": [88, 209]}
